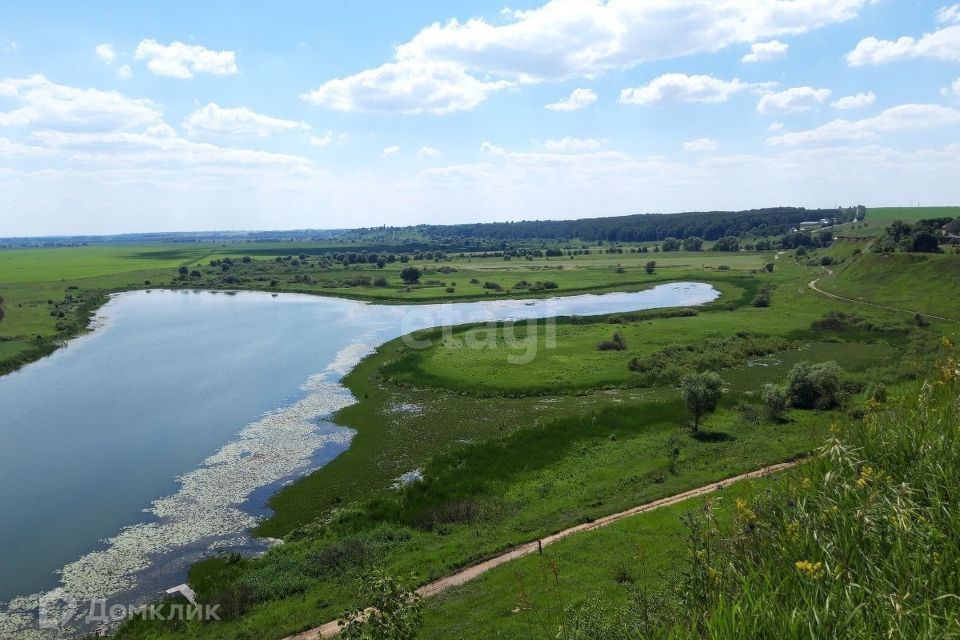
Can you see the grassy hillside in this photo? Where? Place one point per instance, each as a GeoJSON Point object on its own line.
{"type": "Point", "coordinates": [929, 283]}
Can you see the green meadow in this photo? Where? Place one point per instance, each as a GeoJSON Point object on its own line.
{"type": "Point", "coordinates": [533, 428]}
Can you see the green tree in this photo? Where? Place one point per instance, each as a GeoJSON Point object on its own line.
{"type": "Point", "coordinates": [693, 243]}
{"type": "Point", "coordinates": [701, 393]}
{"type": "Point", "coordinates": [410, 275]}
{"type": "Point", "coordinates": [396, 612]}
{"type": "Point", "coordinates": [670, 244]}
{"type": "Point", "coordinates": [775, 400]}
{"type": "Point", "coordinates": [651, 266]}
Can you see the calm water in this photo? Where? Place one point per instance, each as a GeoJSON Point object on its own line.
{"type": "Point", "coordinates": [93, 435]}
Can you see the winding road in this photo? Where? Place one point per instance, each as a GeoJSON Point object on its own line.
{"type": "Point", "coordinates": [332, 628]}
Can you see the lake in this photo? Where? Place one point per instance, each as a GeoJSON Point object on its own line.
{"type": "Point", "coordinates": [155, 438]}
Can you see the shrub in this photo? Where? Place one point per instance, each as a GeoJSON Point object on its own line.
{"type": "Point", "coordinates": [494, 286]}
{"type": "Point", "coordinates": [615, 343]}
{"type": "Point", "coordinates": [775, 401]}
{"type": "Point", "coordinates": [817, 386]}
{"type": "Point", "coordinates": [762, 299]}
{"type": "Point", "coordinates": [651, 266]}
{"type": "Point", "coordinates": [380, 281]}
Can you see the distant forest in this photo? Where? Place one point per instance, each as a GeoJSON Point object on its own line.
{"type": "Point", "coordinates": [709, 225]}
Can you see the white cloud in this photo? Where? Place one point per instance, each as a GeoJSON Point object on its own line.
{"type": "Point", "coordinates": [45, 103]}
{"type": "Point", "coordinates": [428, 152]}
{"type": "Point", "coordinates": [907, 117]}
{"type": "Point", "coordinates": [583, 38]}
{"type": "Point", "coordinates": [854, 102]}
{"type": "Point", "coordinates": [390, 151]}
{"type": "Point", "coordinates": [406, 87]}
{"type": "Point", "coordinates": [578, 99]}
{"type": "Point", "coordinates": [9, 46]}
{"type": "Point", "coordinates": [327, 139]}
{"type": "Point", "coordinates": [458, 64]}
{"type": "Point", "coordinates": [793, 100]}
{"type": "Point", "coordinates": [237, 122]}
{"type": "Point", "coordinates": [180, 60]}
{"type": "Point", "coordinates": [949, 15]}
{"type": "Point", "coordinates": [10, 147]}
{"type": "Point", "coordinates": [953, 90]}
{"type": "Point", "coordinates": [157, 146]}
{"type": "Point", "coordinates": [775, 126]}
{"type": "Point", "coordinates": [106, 52]}
{"type": "Point", "coordinates": [684, 88]}
{"type": "Point", "coordinates": [701, 145]}
{"type": "Point", "coordinates": [766, 51]}
{"type": "Point", "coordinates": [124, 72]}
{"type": "Point", "coordinates": [943, 44]}
{"type": "Point", "coordinates": [574, 144]}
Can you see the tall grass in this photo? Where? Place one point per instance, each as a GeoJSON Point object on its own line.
{"type": "Point", "coordinates": [863, 543]}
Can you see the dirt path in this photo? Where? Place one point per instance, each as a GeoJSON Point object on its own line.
{"type": "Point", "coordinates": [332, 628]}
{"type": "Point", "coordinates": [813, 285]}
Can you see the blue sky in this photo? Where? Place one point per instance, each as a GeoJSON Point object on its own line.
{"type": "Point", "coordinates": [117, 117]}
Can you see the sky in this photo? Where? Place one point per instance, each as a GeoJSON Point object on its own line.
{"type": "Point", "coordinates": [178, 116]}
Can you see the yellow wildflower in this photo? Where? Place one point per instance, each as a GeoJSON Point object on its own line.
{"type": "Point", "coordinates": [812, 570]}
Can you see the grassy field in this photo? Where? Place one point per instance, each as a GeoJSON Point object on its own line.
{"type": "Point", "coordinates": [507, 452]}
{"type": "Point", "coordinates": [879, 218]}
{"type": "Point", "coordinates": [918, 282]}
{"type": "Point", "coordinates": [599, 571]}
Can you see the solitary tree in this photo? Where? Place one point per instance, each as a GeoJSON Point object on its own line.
{"type": "Point", "coordinates": [410, 275]}
{"type": "Point", "coordinates": [701, 393]}
{"type": "Point", "coordinates": [651, 266]}
{"type": "Point", "coordinates": [776, 400]}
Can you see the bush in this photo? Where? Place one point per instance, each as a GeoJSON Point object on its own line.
{"type": "Point", "coordinates": [775, 401]}
{"type": "Point", "coordinates": [494, 286]}
{"type": "Point", "coordinates": [615, 343]}
{"type": "Point", "coordinates": [817, 386]}
{"type": "Point", "coordinates": [651, 266]}
{"type": "Point", "coordinates": [762, 299]}
{"type": "Point", "coordinates": [380, 281]}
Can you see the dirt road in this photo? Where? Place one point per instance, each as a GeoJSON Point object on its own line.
{"type": "Point", "coordinates": [813, 285]}
{"type": "Point", "coordinates": [332, 629]}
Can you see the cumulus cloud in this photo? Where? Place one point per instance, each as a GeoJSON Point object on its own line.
{"type": "Point", "coordinates": [106, 52]}
{"type": "Point", "coordinates": [406, 87]}
{"type": "Point", "coordinates": [390, 151]}
{"type": "Point", "coordinates": [238, 122]}
{"type": "Point", "coordinates": [428, 152]}
{"type": "Point", "coordinates": [953, 90]}
{"type": "Point", "coordinates": [450, 66]}
{"type": "Point", "coordinates": [949, 15]}
{"type": "Point", "coordinates": [775, 126]}
{"type": "Point", "coordinates": [854, 102]}
{"type": "Point", "coordinates": [45, 103]}
{"type": "Point", "coordinates": [180, 60]}
{"type": "Point", "coordinates": [766, 51]}
{"type": "Point", "coordinates": [943, 44]}
{"type": "Point", "coordinates": [124, 72]}
{"type": "Point", "coordinates": [701, 145]}
{"type": "Point", "coordinates": [574, 144]}
{"type": "Point", "coordinates": [578, 99]}
{"type": "Point", "coordinates": [10, 147]}
{"type": "Point", "coordinates": [571, 38]}
{"type": "Point", "coordinates": [683, 88]}
{"type": "Point", "coordinates": [907, 117]}
{"type": "Point", "coordinates": [793, 100]}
